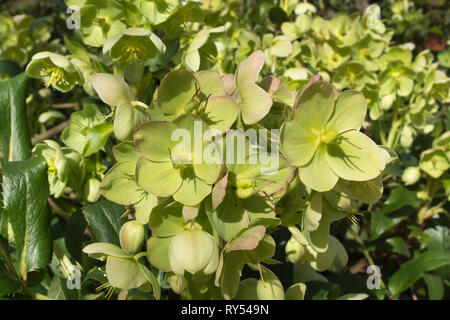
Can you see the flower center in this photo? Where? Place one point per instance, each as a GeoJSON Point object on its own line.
{"type": "Point", "coordinates": [55, 76]}
{"type": "Point", "coordinates": [181, 155]}
{"type": "Point", "coordinates": [326, 137]}
{"type": "Point", "coordinates": [134, 50]}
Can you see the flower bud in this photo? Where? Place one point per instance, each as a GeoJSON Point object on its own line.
{"type": "Point", "coordinates": [175, 281]}
{"type": "Point", "coordinates": [92, 190]}
{"type": "Point", "coordinates": [132, 236]}
{"type": "Point", "coordinates": [294, 250]}
{"type": "Point", "coordinates": [193, 251]}
{"type": "Point", "coordinates": [411, 175]}
{"type": "Point", "coordinates": [270, 289]}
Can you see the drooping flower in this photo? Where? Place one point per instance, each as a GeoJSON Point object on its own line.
{"type": "Point", "coordinates": [193, 251]}
{"type": "Point", "coordinates": [56, 70]}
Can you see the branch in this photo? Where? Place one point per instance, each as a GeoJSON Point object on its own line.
{"type": "Point", "coordinates": [50, 133]}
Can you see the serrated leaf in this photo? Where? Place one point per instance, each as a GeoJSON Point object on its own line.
{"type": "Point", "coordinates": [25, 192]}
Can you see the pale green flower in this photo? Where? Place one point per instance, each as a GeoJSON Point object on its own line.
{"type": "Point", "coordinates": [323, 136]}
{"type": "Point", "coordinates": [55, 70]}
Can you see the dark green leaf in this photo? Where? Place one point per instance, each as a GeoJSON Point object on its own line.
{"type": "Point", "coordinates": [104, 220]}
{"type": "Point", "coordinates": [9, 67]}
{"type": "Point", "coordinates": [435, 286]}
{"type": "Point", "coordinates": [319, 290]}
{"type": "Point", "coordinates": [74, 234]}
{"type": "Point", "coordinates": [398, 245]}
{"type": "Point", "coordinates": [14, 135]}
{"type": "Point", "coordinates": [399, 198]}
{"type": "Point", "coordinates": [25, 192]}
{"type": "Point", "coordinates": [412, 270]}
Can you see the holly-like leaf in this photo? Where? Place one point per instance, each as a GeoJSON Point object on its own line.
{"type": "Point", "coordinates": [25, 192]}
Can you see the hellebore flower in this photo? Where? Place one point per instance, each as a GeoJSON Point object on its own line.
{"type": "Point", "coordinates": [119, 183]}
{"type": "Point", "coordinates": [56, 70]}
{"type": "Point", "coordinates": [193, 251]}
{"type": "Point", "coordinates": [167, 167]}
{"type": "Point", "coordinates": [123, 269]}
{"type": "Point", "coordinates": [99, 20]}
{"type": "Point", "coordinates": [324, 141]}
{"type": "Point", "coordinates": [88, 131]}
{"type": "Point", "coordinates": [61, 162]}
{"type": "Point", "coordinates": [435, 162]}
{"type": "Point", "coordinates": [134, 45]}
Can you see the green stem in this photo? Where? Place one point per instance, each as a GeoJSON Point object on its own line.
{"type": "Point", "coordinates": [140, 255]}
{"type": "Point", "coordinates": [381, 132]}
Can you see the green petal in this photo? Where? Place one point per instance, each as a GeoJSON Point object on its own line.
{"type": "Point", "coordinates": [126, 120]}
{"type": "Point", "coordinates": [111, 89]}
{"type": "Point", "coordinates": [369, 191]}
{"type": "Point", "coordinates": [207, 172]}
{"type": "Point", "coordinates": [314, 106]}
{"type": "Point", "coordinates": [349, 112]}
{"type": "Point", "coordinates": [177, 88]}
{"type": "Point", "coordinates": [313, 212]}
{"type": "Point", "coordinates": [126, 151]}
{"type": "Point", "coordinates": [405, 86]}
{"type": "Point", "coordinates": [318, 238]}
{"type": "Point", "coordinates": [221, 112]}
{"type": "Point", "coordinates": [248, 240]}
{"type": "Point", "coordinates": [322, 182]}
{"type": "Point", "coordinates": [144, 207]}
{"type": "Point", "coordinates": [298, 144]}
{"type": "Point", "coordinates": [119, 184]}
{"type": "Point", "coordinates": [101, 249]}
{"type": "Point", "coordinates": [124, 273]}
{"type": "Point", "coordinates": [210, 83]}
{"type": "Point", "coordinates": [229, 218]}
{"type": "Point", "coordinates": [357, 159]}
{"type": "Point", "coordinates": [154, 139]}
{"type": "Point", "coordinates": [158, 178]}
{"type": "Point", "coordinates": [255, 103]}
{"type": "Point", "coordinates": [166, 221]}
{"type": "Point", "coordinates": [193, 190]}
{"type": "Point", "coordinates": [249, 69]}
{"type": "Point", "coordinates": [158, 252]}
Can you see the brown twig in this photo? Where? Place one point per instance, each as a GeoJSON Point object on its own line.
{"type": "Point", "coordinates": [50, 133]}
